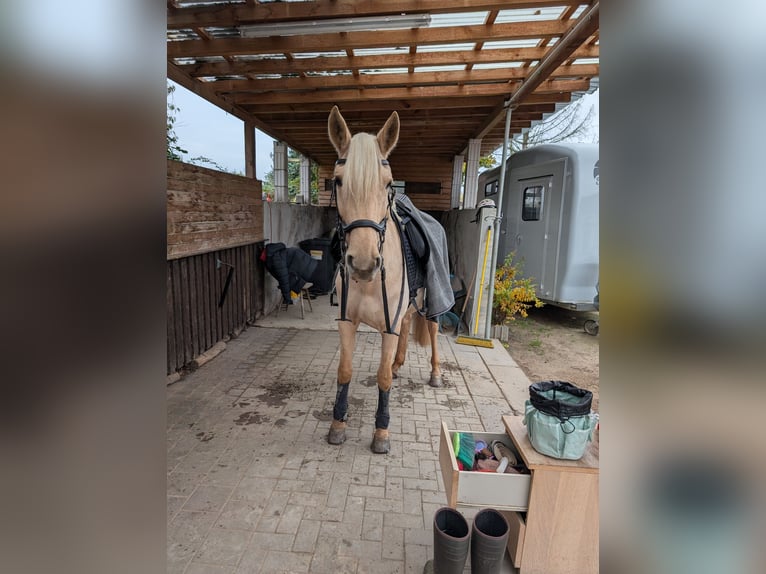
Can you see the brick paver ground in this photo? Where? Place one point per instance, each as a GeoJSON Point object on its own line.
{"type": "Point", "coordinates": [253, 486]}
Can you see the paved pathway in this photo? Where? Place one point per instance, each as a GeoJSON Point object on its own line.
{"type": "Point", "coordinates": [253, 486]}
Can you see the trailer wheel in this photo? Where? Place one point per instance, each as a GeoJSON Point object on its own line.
{"type": "Point", "coordinates": [591, 327]}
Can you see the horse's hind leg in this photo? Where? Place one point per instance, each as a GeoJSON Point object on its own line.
{"type": "Point", "coordinates": [381, 443]}
{"type": "Point", "coordinates": [436, 373]}
{"type": "Point", "coordinates": [337, 434]}
{"type": "Point", "coordinates": [401, 347]}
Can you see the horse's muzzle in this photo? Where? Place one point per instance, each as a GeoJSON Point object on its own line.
{"type": "Point", "coordinates": [363, 270]}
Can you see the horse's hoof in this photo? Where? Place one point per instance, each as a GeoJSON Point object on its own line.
{"type": "Point", "coordinates": [436, 381]}
{"type": "Point", "coordinates": [337, 434]}
{"type": "Point", "coordinates": [429, 567]}
{"type": "Point", "coordinates": [381, 444]}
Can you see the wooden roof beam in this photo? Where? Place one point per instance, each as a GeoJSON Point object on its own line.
{"type": "Point", "coordinates": [228, 15]}
{"type": "Point", "coordinates": [355, 63]}
{"type": "Point", "coordinates": [356, 40]}
{"type": "Point", "coordinates": [334, 96]}
{"type": "Point", "coordinates": [299, 107]}
{"type": "Point", "coordinates": [383, 80]}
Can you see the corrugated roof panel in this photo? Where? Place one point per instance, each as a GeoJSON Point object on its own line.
{"type": "Point", "coordinates": [461, 19]}
{"type": "Point", "coordinates": [182, 34]}
{"type": "Point", "coordinates": [380, 51]}
{"type": "Point", "coordinates": [447, 47]}
{"type": "Point", "coordinates": [452, 68]}
{"type": "Point", "coordinates": [579, 11]}
{"type": "Point", "coordinates": [329, 74]}
{"type": "Point", "coordinates": [530, 43]}
{"type": "Point", "coordinates": [497, 65]}
{"type": "Point", "coordinates": [203, 3]}
{"type": "Point", "coordinates": [226, 77]}
{"type": "Point", "coordinates": [373, 71]}
{"type": "Point", "coordinates": [256, 57]}
{"type": "Point", "coordinates": [219, 33]}
{"type": "Point", "coordinates": [528, 15]}
{"type": "Point", "coordinates": [319, 54]}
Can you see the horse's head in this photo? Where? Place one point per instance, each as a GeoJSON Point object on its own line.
{"type": "Point", "coordinates": [362, 182]}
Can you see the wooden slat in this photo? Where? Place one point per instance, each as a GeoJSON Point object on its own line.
{"type": "Point", "coordinates": [175, 274]}
{"type": "Point", "coordinates": [332, 64]}
{"type": "Point", "coordinates": [185, 312]}
{"type": "Point", "coordinates": [332, 96]}
{"type": "Point", "coordinates": [276, 11]}
{"type": "Point", "coordinates": [360, 40]}
{"type": "Point", "coordinates": [298, 108]}
{"type": "Point", "coordinates": [170, 320]}
{"type": "Point", "coordinates": [385, 80]}
{"type": "Point", "coordinates": [194, 305]}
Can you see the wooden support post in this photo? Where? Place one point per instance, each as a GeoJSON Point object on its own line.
{"type": "Point", "coordinates": [457, 180]}
{"type": "Point", "coordinates": [249, 150]}
{"type": "Point", "coordinates": [305, 180]}
{"type": "Point", "coordinates": [472, 174]}
{"type": "Point", "coordinates": [280, 172]}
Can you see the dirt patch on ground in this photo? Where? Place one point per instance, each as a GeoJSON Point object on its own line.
{"type": "Point", "coordinates": [551, 344]}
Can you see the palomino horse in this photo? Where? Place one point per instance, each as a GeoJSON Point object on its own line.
{"type": "Point", "coordinates": [373, 278]}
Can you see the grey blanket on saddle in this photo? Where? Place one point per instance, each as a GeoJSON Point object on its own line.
{"type": "Point", "coordinates": [438, 289]}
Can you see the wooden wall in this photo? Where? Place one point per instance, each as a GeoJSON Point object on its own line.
{"type": "Point", "coordinates": [209, 210]}
{"type": "Point", "coordinates": [211, 217]}
{"type": "Point", "coordinates": [417, 169]}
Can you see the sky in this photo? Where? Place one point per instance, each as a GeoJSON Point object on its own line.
{"type": "Point", "coordinates": [206, 130]}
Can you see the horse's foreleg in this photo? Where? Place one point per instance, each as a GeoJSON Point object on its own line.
{"type": "Point", "coordinates": [436, 373]}
{"type": "Point", "coordinates": [337, 434]}
{"type": "Point", "coordinates": [380, 440]}
{"type": "Point", "coordinates": [401, 347]}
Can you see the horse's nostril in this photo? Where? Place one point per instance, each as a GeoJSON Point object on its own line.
{"type": "Point", "coordinates": [378, 262]}
{"type": "Point", "coordinates": [350, 260]}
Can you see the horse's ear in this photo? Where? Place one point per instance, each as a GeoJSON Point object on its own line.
{"type": "Point", "coordinates": [389, 135]}
{"type": "Point", "coordinates": [338, 131]}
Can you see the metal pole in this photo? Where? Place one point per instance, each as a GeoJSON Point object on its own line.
{"type": "Point", "coordinates": [498, 221]}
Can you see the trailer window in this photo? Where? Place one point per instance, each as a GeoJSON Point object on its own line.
{"type": "Point", "coordinates": [533, 202]}
{"type": "Point", "coordinates": [491, 188]}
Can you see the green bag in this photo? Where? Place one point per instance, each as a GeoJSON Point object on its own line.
{"type": "Point", "coordinates": [566, 431]}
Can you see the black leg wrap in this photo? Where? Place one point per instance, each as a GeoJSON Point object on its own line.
{"type": "Point", "coordinates": [339, 411]}
{"type": "Point", "coordinates": [381, 416]}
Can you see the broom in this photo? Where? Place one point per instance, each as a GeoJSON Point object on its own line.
{"type": "Point", "coordinates": [479, 341]}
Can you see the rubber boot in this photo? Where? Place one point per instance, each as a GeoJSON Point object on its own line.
{"type": "Point", "coordinates": [489, 537]}
{"type": "Point", "coordinates": [451, 541]}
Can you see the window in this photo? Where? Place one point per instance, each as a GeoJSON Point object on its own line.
{"type": "Point", "coordinates": [491, 188]}
{"type": "Point", "coordinates": [533, 202]}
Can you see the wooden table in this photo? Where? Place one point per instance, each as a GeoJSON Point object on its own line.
{"type": "Point", "coordinates": [560, 533]}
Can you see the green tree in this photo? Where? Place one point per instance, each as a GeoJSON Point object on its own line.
{"type": "Point", "coordinates": [175, 151]}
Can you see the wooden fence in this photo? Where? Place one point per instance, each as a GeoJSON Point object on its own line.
{"type": "Point", "coordinates": [195, 285]}
{"type": "Point", "coordinates": [215, 226]}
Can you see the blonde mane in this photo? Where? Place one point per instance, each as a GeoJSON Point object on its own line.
{"type": "Point", "coordinates": [361, 177]}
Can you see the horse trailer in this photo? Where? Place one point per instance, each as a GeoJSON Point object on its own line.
{"type": "Point", "coordinates": [550, 220]}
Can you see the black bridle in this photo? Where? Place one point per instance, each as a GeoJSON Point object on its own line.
{"type": "Point", "coordinates": [380, 227]}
